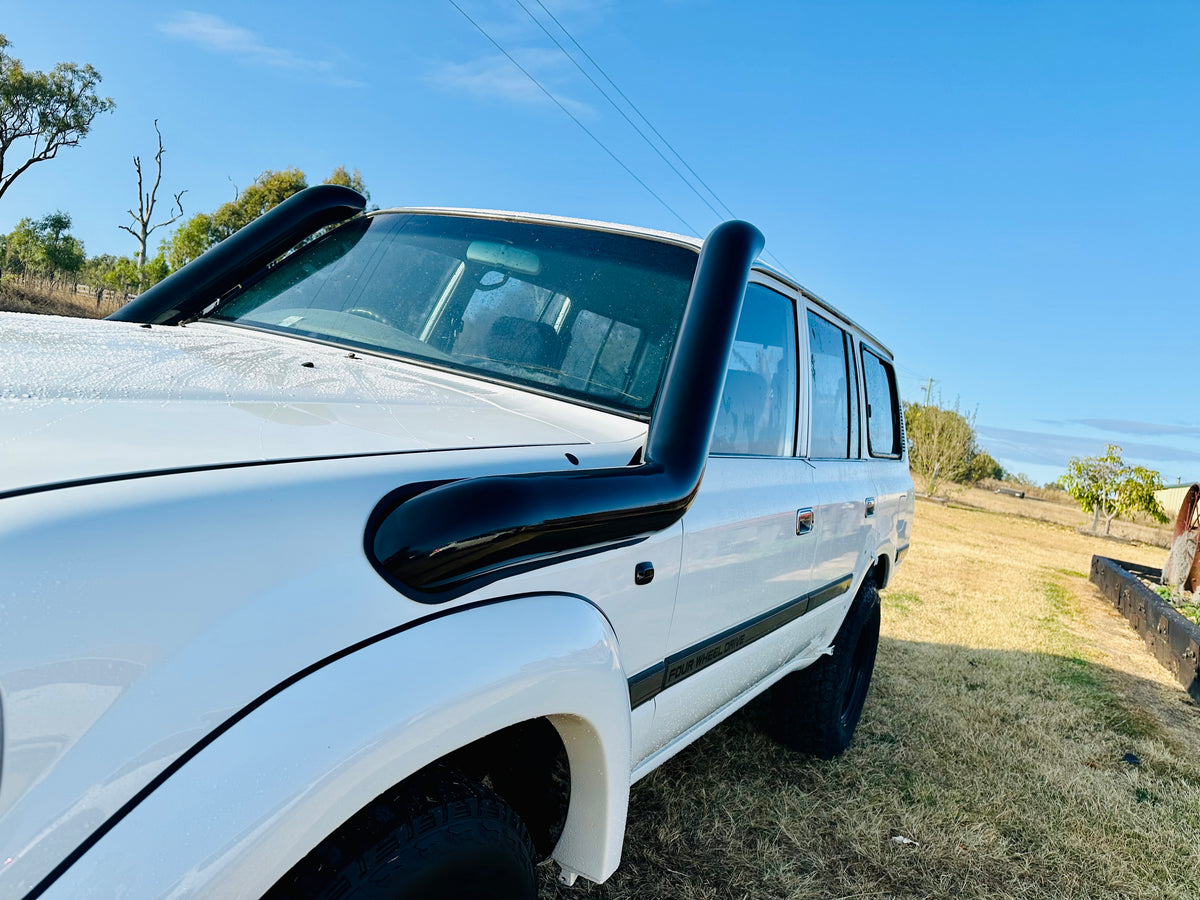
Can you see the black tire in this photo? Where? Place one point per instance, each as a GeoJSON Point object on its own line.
{"type": "Point", "coordinates": [439, 835]}
{"type": "Point", "coordinates": [816, 710]}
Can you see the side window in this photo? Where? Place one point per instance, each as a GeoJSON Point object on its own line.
{"type": "Point", "coordinates": [757, 415]}
{"type": "Point", "coordinates": [883, 407]}
{"type": "Point", "coordinates": [831, 368]}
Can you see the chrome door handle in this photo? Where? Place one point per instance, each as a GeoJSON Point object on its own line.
{"type": "Point", "coordinates": [804, 521]}
{"type": "Point", "coordinates": [870, 506]}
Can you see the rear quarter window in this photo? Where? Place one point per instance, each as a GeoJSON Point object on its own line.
{"type": "Point", "coordinates": [883, 407]}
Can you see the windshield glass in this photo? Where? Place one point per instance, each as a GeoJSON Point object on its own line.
{"type": "Point", "coordinates": [583, 313]}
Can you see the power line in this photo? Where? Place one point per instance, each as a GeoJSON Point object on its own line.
{"type": "Point", "coordinates": [599, 68]}
{"type": "Point", "coordinates": [613, 103]}
{"type": "Point", "coordinates": [574, 119]}
{"type": "Point", "coordinates": [633, 106]}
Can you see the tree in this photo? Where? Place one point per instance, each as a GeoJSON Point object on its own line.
{"type": "Point", "coordinates": [982, 466]}
{"type": "Point", "coordinates": [43, 112]}
{"type": "Point", "coordinates": [190, 239]}
{"type": "Point", "coordinates": [146, 201]}
{"type": "Point", "coordinates": [122, 273]}
{"type": "Point", "coordinates": [352, 180]}
{"type": "Point", "coordinates": [1108, 486]}
{"type": "Point", "coordinates": [44, 247]}
{"type": "Point", "coordinates": [267, 191]}
{"type": "Point", "coordinates": [942, 443]}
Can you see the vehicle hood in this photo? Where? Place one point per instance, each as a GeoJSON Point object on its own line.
{"type": "Point", "coordinates": [89, 399]}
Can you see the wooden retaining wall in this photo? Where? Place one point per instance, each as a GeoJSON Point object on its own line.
{"type": "Point", "coordinates": [1174, 640]}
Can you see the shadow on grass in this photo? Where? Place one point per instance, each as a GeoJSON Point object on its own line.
{"type": "Point", "coordinates": [1017, 774]}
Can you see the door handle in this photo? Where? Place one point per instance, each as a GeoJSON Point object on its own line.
{"type": "Point", "coordinates": [870, 506]}
{"type": "Point", "coordinates": [804, 521]}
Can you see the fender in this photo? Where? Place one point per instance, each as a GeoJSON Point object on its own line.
{"type": "Point", "coordinates": [236, 816]}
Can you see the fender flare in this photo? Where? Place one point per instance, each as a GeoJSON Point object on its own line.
{"type": "Point", "coordinates": [240, 812]}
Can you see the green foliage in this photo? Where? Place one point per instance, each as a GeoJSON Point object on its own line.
{"type": "Point", "coordinates": [1019, 478]}
{"type": "Point", "coordinates": [352, 180]}
{"type": "Point", "coordinates": [43, 247]}
{"type": "Point", "coordinates": [42, 112]}
{"type": "Point", "coordinates": [190, 239]}
{"type": "Point", "coordinates": [983, 466]}
{"type": "Point", "coordinates": [154, 271]}
{"type": "Point", "coordinates": [123, 276]}
{"type": "Point", "coordinates": [269, 189]}
{"type": "Point", "coordinates": [121, 273]}
{"type": "Point", "coordinates": [942, 443]}
{"type": "Point", "coordinates": [1108, 486]}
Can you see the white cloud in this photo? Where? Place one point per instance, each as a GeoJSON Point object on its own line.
{"type": "Point", "coordinates": [1054, 449]}
{"type": "Point", "coordinates": [219, 36]}
{"type": "Point", "coordinates": [496, 78]}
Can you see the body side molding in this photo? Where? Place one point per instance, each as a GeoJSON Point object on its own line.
{"type": "Point", "coordinates": [648, 683]}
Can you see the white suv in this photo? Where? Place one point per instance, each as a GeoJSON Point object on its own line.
{"type": "Point", "coordinates": [385, 566]}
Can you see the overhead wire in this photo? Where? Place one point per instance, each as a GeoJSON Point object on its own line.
{"type": "Point", "coordinates": [634, 107]}
{"type": "Point", "coordinates": [574, 118]}
{"type": "Point", "coordinates": [613, 103]}
{"type": "Point", "coordinates": [599, 68]}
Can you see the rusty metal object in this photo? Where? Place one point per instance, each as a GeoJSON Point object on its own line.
{"type": "Point", "coordinates": [1182, 568]}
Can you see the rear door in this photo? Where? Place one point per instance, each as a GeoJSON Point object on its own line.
{"type": "Point", "coordinates": [846, 510]}
{"type": "Point", "coordinates": [884, 450]}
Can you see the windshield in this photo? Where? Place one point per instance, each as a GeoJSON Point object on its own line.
{"type": "Point", "coordinates": [583, 313]}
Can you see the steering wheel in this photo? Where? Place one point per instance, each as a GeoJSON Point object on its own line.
{"type": "Point", "coordinates": [370, 314]}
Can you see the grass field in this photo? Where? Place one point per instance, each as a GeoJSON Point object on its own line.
{"type": "Point", "coordinates": [14, 298]}
{"type": "Point", "coordinates": [1016, 730]}
{"type": "Point", "coordinates": [1062, 510]}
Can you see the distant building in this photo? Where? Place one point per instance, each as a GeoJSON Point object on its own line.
{"type": "Point", "coordinates": [1172, 498]}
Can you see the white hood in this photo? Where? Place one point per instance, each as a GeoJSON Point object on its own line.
{"type": "Point", "coordinates": [83, 399]}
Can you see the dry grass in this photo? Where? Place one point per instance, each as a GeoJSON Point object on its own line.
{"type": "Point", "coordinates": [14, 298]}
{"type": "Point", "coordinates": [1006, 698]}
{"type": "Point", "coordinates": [1062, 512]}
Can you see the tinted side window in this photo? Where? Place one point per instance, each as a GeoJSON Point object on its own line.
{"type": "Point", "coordinates": [829, 369]}
{"type": "Point", "coordinates": [757, 415]}
{"type": "Point", "coordinates": [883, 408]}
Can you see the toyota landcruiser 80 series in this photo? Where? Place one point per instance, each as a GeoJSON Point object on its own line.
{"type": "Point", "coordinates": [380, 559]}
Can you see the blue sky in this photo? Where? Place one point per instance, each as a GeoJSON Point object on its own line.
{"type": "Point", "coordinates": [1005, 192]}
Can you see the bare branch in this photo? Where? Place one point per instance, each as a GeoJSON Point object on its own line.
{"type": "Point", "coordinates": [147, 200]}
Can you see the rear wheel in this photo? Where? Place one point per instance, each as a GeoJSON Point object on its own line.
{"type": "Point", "coordinates": [817, 709]}
{"type": "Point", "coordinates": [439, 835]}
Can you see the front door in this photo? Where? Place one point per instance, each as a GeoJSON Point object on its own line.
{"type": "Point", "coordinates": [747, 556]}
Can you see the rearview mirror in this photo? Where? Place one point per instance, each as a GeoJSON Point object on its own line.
{"type": "Point", "coordinates": [514, 259]}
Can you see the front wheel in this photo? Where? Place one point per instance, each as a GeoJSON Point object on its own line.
{"type": "Point", "coordinates": [817, 709]}
{"type": "Point", "coordinates": [439, 835]}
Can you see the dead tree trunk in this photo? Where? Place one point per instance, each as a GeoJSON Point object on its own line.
{"type": "Point", "coordinates": [146, 201]}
